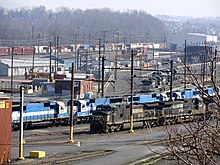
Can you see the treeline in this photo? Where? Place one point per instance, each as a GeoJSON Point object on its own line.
{"type": "Point", "coordinates": [24, 25]}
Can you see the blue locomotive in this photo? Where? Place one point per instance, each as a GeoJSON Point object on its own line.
{"type": "Point", "coordinates": [54, 112]}
{"type": "Point", "coordinates": [84, 108]}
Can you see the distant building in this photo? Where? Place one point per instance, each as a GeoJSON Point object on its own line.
{"type": "Point", "coordinates": [83, 84]}
{"type": "Point", "coordinates": [177, 41]}
{"type": "Point", "coordinates": [197, 38]}
{"type": "Point", "coordinates": [197, 54]}
{"type": "Point", "coordinates": [24, 66]}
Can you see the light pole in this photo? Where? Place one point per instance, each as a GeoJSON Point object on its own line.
{"type": "Point", "coordinates": [99, 72]}
{"type": "Point", "coordinates": [50, 77]}
{"type": "Point", "coordinates": [72, 104]}
{"type": "Point", "coordinates": [185, 66]}
{"type": "Point", "coordinates": [12, 69]}
{"type": "Point", "coordinates": [21, 141]}
{"type": "Point", "coordinates": [132, 91]}
{"type": "Point", "coordinates": [103, 75]}
{"type": "Point", "coordinates": [171, 80]}
{"type": "Point", "coordinates": [32, 35]}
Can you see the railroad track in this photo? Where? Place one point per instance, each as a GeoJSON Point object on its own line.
{"type": "Point", "coordinates": [47, 137]}
{"type": "Point", "coordinates": [68, 158]}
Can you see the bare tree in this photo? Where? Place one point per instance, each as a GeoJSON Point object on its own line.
{"type": "Point", "coordinates": [198, 142]}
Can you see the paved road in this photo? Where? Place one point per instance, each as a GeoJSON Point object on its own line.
{"type": "Point", "coordinates": [126, 147]}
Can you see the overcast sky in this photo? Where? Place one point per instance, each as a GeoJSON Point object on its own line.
{"type": "Point", "coordinates": [195, 8]}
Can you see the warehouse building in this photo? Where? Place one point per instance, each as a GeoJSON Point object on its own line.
{"type": "Point", "coordinates": [24, 66]}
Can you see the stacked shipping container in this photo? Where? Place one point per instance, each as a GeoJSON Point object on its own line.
{"type": "Point", "coordinates": [5, 129]}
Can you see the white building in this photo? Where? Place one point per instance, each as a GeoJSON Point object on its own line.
{"type": "Point", "coordinates": [198, 37]}
{"type": "Point", "coordinates": [177, 41]}
{"type": "Point", "coordinates": [22, 66]}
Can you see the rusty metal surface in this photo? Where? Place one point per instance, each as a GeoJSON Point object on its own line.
{"type": "Point", "coordinates": [5, 129]}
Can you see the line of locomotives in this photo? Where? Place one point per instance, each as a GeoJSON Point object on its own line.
{"type": "Point", "coordinates": [57, 113]}
{"type": "Point", "coordinates": [114, 117]}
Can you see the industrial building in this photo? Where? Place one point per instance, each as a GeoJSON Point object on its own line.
{"type": "Point", "coordinates": [24, 66]}
{"type": "Point", "coordinates": [83, 84]}
{"type": "Point", "coordinates": [192, 39]}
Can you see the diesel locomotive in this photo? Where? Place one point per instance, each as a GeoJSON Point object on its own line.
{"type": "Point", "coordinates": [114, 117]}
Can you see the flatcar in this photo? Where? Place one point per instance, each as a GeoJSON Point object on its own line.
{"type": "Point", "coordinates": [54, 112]}
{"type": "Point", "coordinates": [115, 117]}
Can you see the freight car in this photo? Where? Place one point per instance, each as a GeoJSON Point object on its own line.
{"type": "Point", "coordinates": [54, 112]}
{"type": "Point", "coordinates": [114, 117]}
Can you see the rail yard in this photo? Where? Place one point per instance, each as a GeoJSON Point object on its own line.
{"type": "Point", "coordinates": [111, 148]}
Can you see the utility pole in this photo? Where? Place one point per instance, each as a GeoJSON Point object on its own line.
{"type": "Point", "coordinates": [50, 77]}
{"type": "Point", "coordinates": [75, 49]}
{"type": "Point", "coordinates": [72, 104]}
{"type": "Point", "coordinates": [145, 43]}
{"type": "Point", "coordinates": [171, 80]}
{"type": "Point", "coordinates": [89, 47]}
{"type": "Point", "coordinates": [132, 91]}
{"type": "Point", "coordinates": [116, 56]}
{"type": "Point", "coordinates": [57, 52]}
{"type": "Point", "coordinates": [164, 40]}
{"type": "Point", "coordinates": [78, 34]}
{"type": "Point", "coordinates": [77, 59]}
{"type": "Point", "coordinates": [55, 45]}
{"type": "Point", "coordinates": [38, 45]}
{"type": "Point", "coordinates": [99, 72]}
{"type": "Point", "coordinates": [12, 69]}
{"type": "Point", "coordinates": [83, 39]}
{"type": "Point", "coordinates": [215, 66]}
{"type": "Point", "coordinates": [185, 66]}
{"type": "Point", "coordinates": [154, 57]}
{"type": "Point", "coordinates": [103, 75]}
{"type": "Point", "coordinates": [130, 40]}
{"type": "Point", "coordinates": [104, 32]}
{"type": "Point", "coordinates": [204, 60]}
{"type": "Point", "coordinates": [124, 43]}
{"type": "Point", "coordinates": [32, 36]}
{"type": "Point", "coordinates": [86, 67]}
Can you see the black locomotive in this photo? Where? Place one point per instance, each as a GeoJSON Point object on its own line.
{"type": "Point", "coordinates": [115, 117]}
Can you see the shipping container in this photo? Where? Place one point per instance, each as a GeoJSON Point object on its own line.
{"type": "Point", "coordinates": [4, 51]}
{"type": "Point", "coordinates": [5, 129]}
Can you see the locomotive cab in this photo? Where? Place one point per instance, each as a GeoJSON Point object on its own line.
{"type": "Point", "coordinates": [81, 110]}
{"type": "Point", "coordinates": [61, 109]}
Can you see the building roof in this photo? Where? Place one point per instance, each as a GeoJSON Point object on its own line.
{"type": "Point", "coordinates": [15, 80]}
{"type": "Point", "coordinates": [38, 62]}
